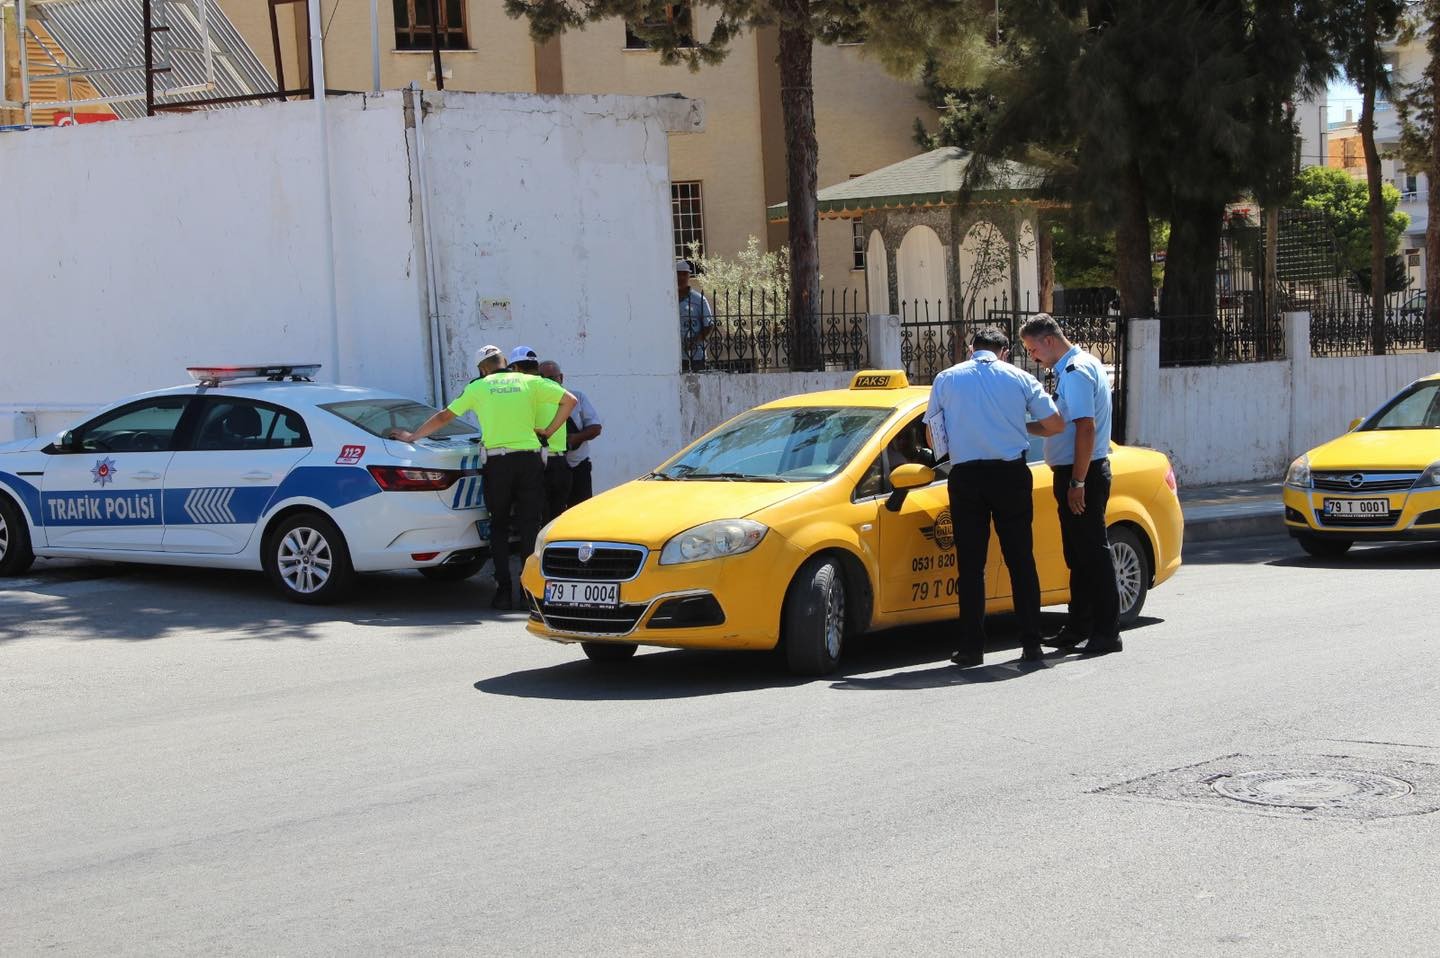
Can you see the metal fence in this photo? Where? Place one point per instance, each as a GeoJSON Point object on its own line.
{"type": "Point", "coordinates": [753, 333]}
{"type": "Point", "coordinates": [933, 338]}
{"type": "Point", "coordinates": [1347, 327]}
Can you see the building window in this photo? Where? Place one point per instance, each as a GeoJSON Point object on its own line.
{"type": "Point", "coordinates": [676, 18]}
{"type": "Point", "coordinates": [857, 242]}
{"type": "Point", "coordinates": [413, 24]}
{"type": "Point", "coordinates": [687, 219]}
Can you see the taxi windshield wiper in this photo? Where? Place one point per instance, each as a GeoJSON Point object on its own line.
{"type": "Point", "coordinates": [734, 477]}
{"type": "Point", "coordinates": [660, 475]}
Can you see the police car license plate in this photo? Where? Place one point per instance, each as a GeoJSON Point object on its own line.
{"type": "Point", "coordinates": [592, 595]}
{"type": "Point", "coordinates": [1370, 508]}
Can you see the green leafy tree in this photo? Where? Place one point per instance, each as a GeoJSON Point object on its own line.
{"type": "Point", "coordinates": [1345, 201]}
{"type": "Point", "coordinates": [889, 26]}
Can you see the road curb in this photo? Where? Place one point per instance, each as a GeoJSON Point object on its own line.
{"type": "Point", "coordinates": [1240, 526]}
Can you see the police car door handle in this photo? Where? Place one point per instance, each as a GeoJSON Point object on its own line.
{"type": "Point", "coordinates": [147, 476]}
{"type": "Point", "coordinates": [257, 476]}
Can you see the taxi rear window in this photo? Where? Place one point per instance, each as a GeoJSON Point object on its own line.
{"type": "Point", "coordinates": [379, 416]}
{"type": "Point", "coordinates": [797, 444]}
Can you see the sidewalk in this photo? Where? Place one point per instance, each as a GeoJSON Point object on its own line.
{"type": "Point", "coordinates": [1233, 509]}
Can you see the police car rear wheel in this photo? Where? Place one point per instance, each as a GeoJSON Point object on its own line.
{"type": "Point", "coordinates": [1132, 572]}
{"type": "Point", "coordinates": [307, 559]}
{"type": "Point", "coordinates": [607, 651]}
{"type": "Point", "coordinates": [815, 618]}
{"type": "Point", "coordinates": [15, 553]}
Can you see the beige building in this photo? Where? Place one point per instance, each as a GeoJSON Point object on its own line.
{"type": "Point", "coordinates": [722, 179]}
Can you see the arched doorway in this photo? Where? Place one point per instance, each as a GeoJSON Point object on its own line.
{"type": "Point", "coordinates": [920, 276]}
{"type": "Point", "coordinates": [877, 274]}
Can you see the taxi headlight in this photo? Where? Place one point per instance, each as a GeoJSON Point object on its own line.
{"type": "Point", "coordinates": [713, 540]}
{"type": "Point", "coordinates": [1430, 477]}
{"type": "Point", "coordinates": [1298, 475]}
{"type": "Point", "coordinates": [543, 536]}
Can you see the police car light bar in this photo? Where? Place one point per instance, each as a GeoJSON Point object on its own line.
{"type": "Point", "coordinates": [215, 375]}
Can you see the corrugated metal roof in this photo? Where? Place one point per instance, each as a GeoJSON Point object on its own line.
{"type": "Point", "coordinates": [930, 179]}
{"type": "Point", "coordinates": [108, 34]}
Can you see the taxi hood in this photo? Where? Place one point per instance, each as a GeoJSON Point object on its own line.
{"type": "Point", "coordinates": [1379, 449]}
{"type": "Point", "coordinates": [650, 511]}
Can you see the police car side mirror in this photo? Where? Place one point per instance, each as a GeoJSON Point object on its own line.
{"type": "Point", "coordinates": [67, 441]}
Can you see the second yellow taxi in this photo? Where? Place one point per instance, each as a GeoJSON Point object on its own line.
{"type": "Point", "coordinates": [805, 522]}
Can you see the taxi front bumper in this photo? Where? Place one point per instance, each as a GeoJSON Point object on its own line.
{"type": "Point", "coordinates": [731, 603]}
{"type": "Point", "coordinates": [1409, 514]}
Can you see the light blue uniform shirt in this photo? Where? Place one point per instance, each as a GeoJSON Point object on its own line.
{"type": "Point", "coordinates": [1081, 389]}
{"type": "Point", "coordinates": [696, 316]}
{"type": "Point", "coordinates": [981, 405]}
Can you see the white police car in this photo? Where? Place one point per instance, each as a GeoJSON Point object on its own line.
{"type": "Point", "coordinates": [252, 467]}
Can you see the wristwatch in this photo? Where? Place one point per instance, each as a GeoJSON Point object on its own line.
{"type": "Point", "coordinates": [1077, 483]}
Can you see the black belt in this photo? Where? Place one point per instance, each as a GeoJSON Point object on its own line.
{"type": "Point", "coordinates": [991, 462]}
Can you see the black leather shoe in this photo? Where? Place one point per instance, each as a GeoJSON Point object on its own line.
{"type": "Point", "coordinates": [502, 599]}
{"type": "Point", "coordinates": [1065, 638]}
{"type": "Point", "coordinates": [967, 659]}
{"type": "Point", "coordinates": [1098, 646]}
{"type": "Point", "coordinates": [1032, 653]}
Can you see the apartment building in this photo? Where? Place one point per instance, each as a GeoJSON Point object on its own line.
{"type": "Point", "coordinates": [722, 179]}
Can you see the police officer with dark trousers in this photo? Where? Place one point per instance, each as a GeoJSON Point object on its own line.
{"type": "Point", "coordinates": [977, 412]}
{"type": "Point", "coordinates": [506, 404]}
{"type": "Point", "coordinates": [1079, 457]}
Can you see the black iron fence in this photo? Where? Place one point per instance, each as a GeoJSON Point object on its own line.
{"type": "Point", "coordinates": [753, 333]}
{"type": "Point", "coordinates": [1346, 327]}
{"type": "Point", "coordinates": [1238, 332]}
{"type": "Point", "coordinates": [933, 338]}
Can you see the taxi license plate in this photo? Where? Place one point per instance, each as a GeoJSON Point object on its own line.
{"type": "Point", "coordinates": [585, 595]}
{"type": "Point", "coordinates": [1372, 508]}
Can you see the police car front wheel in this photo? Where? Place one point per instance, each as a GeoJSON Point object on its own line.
{"type": "Point", "coordinates": [15, 553]}
{"type": "Point", "coordinates": [306, 558]}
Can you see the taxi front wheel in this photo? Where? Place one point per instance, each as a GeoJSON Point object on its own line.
{"type": "Point", "coordinates": [1324, 548]}
{"type": "Point", "coordinates": [607, 651]}
{"type": "Point", "coordinates": [815, 618]}
{"type": "Point", "coordinates": [15, 553]}
{"type": "Point", "coordinates": [306, 558]}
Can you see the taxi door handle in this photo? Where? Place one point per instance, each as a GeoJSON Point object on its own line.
{"type": "Point", "coordinates": [257, 476]}
{"type": "Point", "coordinates": [147, 476]}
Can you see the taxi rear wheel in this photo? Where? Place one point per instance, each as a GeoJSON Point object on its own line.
{"type": "Point", "coordinates": [815, 618]}
{"type": "Point", "coordinates": [1324, 548]}
{"type": "Point", "coordinates": [607, 651]}
{"type": "Point", "coordinates": [306, 559]}
{"type": "Point", "coordinates": [1132, 572]}
{"type": "Point", "coordinates": [15, 553]}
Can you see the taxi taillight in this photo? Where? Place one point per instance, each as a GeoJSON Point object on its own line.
{"type": "Point", "coordinates": [410, 479]}
{"type": "Point", "coordinates": [1170, 479]}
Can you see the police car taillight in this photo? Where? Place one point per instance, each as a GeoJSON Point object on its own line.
{"type": "Point", "coordinates": [406, 479]}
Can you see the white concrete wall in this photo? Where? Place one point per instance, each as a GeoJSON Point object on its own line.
{"type": "Point", "coordinates": [1247, 421]}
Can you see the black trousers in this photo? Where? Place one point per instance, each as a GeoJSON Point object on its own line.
{"type": "Point", "coordinates": [580, 483]}
{"type": "Point", "coordinates": [1094, 596]}
{"type": "Point", "coordinates": [558, 478]}
{"type": "Point", "coordinates": [1001, 491]}
{"type": "Point", "coordinates": [514, 493]}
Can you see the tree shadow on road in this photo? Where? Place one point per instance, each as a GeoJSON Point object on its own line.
{"type": "Point", "coordinates": [676, 674]}
{"type": "Point", "coordinates": [134, 603]}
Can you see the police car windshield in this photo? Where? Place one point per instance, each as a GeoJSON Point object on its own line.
{"type": "Point", "coordinates": [1416, 408]}
{"type": "Point", "coordinates": [802, 444]}
{"type": "Point", "coordinates": [379, 416]}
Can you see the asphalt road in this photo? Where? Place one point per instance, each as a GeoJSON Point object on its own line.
{"type": "Point", "coordinates": [190, 766]}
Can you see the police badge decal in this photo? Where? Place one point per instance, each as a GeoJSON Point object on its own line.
{"type": "Point", "coordinates": [103, 472]}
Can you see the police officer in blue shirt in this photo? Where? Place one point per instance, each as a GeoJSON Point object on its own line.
{"type": "Point", "coordinates": [978, 413]}
{"type": "Point", "coordinates": [1079, 456]}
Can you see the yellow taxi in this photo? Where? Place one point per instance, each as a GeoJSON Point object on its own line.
{"type": "Point", "coordinates": [1378, 482]}
{"type": "Point", "coordinates": [805, 522]}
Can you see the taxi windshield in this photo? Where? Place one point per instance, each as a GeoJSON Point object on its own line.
{"type": "Point", "coordinates": [1416, 408]}
{"type": "Point", "coordinates": [379, 416]}
{"type": "Point", "coordinates": [800, 444]}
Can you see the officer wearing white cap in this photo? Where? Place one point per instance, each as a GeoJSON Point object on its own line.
{"type": "Point", "coordinates": [697, 319]}
{"type": "Point", "coordinates": [507, 405]}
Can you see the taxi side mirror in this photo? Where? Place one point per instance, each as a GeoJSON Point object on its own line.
{"type": "Point", "coordinates": [1354, 423]}
{"type": "Point", "coordinates": [912, 475]}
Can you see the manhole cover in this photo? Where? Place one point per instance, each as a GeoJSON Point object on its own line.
{"type": "Point", "coordinates": [1310, 789]}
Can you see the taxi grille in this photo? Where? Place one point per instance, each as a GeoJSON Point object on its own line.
{"type": "Point", "coordinates": [1352, 522]}
{"type": "Point", "coordinates": [617, 621]}
{"type": "Point", "coordinates": [610, 563]}
{"type": "Point", "coordinates": [1388, 481]}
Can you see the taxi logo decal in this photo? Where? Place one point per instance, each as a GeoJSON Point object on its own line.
{"type": "Point", "coordinates": [586, 552]}
{"type": "Point", "coordinates": [1356, 481]}
{"type": "Point", "coordinates": [350, 455]}
{"type": "Point", "coordinates": [942, 533]}
{"type": "Point", "coordinates": [103, 472]}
